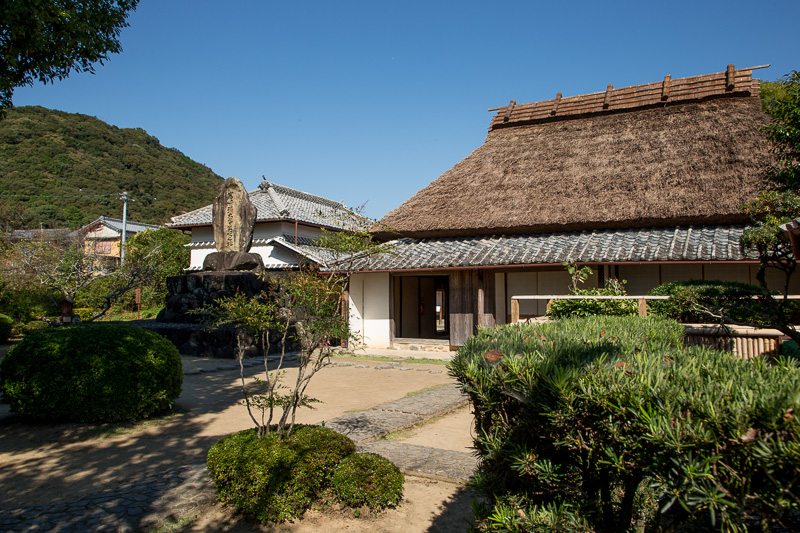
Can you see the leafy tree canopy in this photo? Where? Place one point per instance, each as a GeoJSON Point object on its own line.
{"type": "Point", "coordinates": [45, 41]}
{"type": "Point", "coordinates": [52, 153]}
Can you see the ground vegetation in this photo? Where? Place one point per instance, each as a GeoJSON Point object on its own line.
{"type": "Point", "coordinates": [91, 373]}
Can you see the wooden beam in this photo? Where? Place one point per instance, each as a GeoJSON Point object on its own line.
{"type": "Point", "coordinates": [665, 87]}
{"type": "Point", "coordinates": [642, 307]}
{"type": "Point", "coordinates": [555, 104]}
{"type": "Point", "coordinates": [730, 78]}
{"type": "Point", "coordinates": [514, 311]}
{"type": "Point", "coordinates": [607, 99]}
{"type": "Point", "coordinates": [510, 109]}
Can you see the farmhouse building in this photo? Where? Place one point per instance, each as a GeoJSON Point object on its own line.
{"type": "Point", "coordinates": [641, 183]}
{"type": "Point", "coordinates": [287, 223]}
{"type": "Point", "coordinates": [102, 238]}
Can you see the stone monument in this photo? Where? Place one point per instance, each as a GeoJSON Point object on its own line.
{"type": "Point", "coordinates": [231, 269]}
{"type": "Point", "coordinates": [234, 217]}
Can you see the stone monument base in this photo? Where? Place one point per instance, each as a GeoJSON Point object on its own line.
{"type": "Point", "coordinates": [232, 262]}
{"type": "Point", "coordinates": [189, 331]}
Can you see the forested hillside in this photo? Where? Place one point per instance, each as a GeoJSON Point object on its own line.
{"type": "Point", "coordinates": [52, 153]}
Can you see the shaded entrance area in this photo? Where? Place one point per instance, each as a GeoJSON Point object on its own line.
{"type": "Point", "coordinates": [421, 307]}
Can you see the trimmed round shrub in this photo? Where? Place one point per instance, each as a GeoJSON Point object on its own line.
{"type": "Point", "coordinates": [276, 480]}
{"type": "Point", "coordinates": [91, 373]}
{"type": "Point", "coordinates": [368, 479]}
{"type": "Point", "coordinates": [6, 323]}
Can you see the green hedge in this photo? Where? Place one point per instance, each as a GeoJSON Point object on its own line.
{"type": "Point", "coordinates": [715, 295]}
{"type": "Point", "coordinates": [592, 307]}
{"type": "Point", "coordinates": [273, 480]}
{"type": "Point", "coordinates": [594, 424]}
{"type": "Point", "coordinates": [91, 373]}
{"type": "Point", "coordinates": [6, 323]}
{"type": "Point", "coordinates": [368, 479]}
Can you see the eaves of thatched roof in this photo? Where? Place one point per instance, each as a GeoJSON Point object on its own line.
{"type": "Point", "coordinates": [677, 152]}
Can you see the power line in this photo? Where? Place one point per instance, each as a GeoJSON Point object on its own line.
{"type": "Point", "coordinates": [53, 196]}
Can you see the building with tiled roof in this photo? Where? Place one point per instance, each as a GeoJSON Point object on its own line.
{"type": "Point", "coordinates": [103, 237]}
{"type": "Point", "coordinates": [287, 223]}
{"type": "Point", "coordinates": [640, 183]}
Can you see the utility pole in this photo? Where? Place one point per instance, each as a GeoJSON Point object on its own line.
{"type": "Point", "coordinates": [124, 226]}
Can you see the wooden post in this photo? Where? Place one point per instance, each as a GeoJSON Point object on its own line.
{"type": "Point", "coordinates": [514, 311]}
{"type": "Point", "coordinates": [642, 307]}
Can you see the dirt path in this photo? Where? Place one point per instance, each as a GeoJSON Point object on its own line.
{"type": "Point", "coordinates": [45, 464]}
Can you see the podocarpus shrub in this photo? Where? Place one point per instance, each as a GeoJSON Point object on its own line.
{"type": "Point", "coordinates": [91, 373]}
{"type": "Point", "coordinates": [6, 323]}
{"type": "Point", "coordinates": [276, 480]}
{"type": "Point", "coordinates": [577, 419]}
{"type": "Point", "coordinates": [368, 479]}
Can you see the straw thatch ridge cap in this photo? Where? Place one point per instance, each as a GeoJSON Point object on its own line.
{"type": "Point", "coordinates": [732, 82]}
{"type": "Point", "coordinates": [692, 163]}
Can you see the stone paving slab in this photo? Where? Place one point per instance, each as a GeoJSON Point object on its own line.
{"type": "Point", "coordinates": [139, 506]}
{"type": "Point", "coordinates": [371, 425]}
{"type": "Point", "coordinates": [445, 465]}
{"type": "Point", "coordinates": [427, 403]}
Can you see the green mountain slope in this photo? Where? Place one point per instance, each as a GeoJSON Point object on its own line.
{"type": "Point", "coordinates": [53, 153]}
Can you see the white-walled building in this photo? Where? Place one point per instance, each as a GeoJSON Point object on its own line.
{"type": "Point", "coordinates": [287, 223]}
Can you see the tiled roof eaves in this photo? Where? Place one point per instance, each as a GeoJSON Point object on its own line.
{"type": "Point", "coordinates": [659, 245]}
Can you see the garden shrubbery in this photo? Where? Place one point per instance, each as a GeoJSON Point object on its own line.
{"type": "Point", "coordinates": [596, 424]}
{"type": "Point", "coordinates": [277, 480]}
{"type": "Point", "coordinates": [6, 323]}
{"type": "Point", "coordinates": [687, 298]}
{"type": "Point", "coordinates": [592, 307]}
{"type": "Point", "coordinates": [91, 373]}
{"type": "Point", "coordinates": [367, 479]}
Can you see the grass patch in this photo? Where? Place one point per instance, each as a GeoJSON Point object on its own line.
{"type": "Point", "coordinates": [106, 431]}
{"type": "Point", "coordinates": [384, 359]}
{"type": "Point", "coordinates": [414, 393]}
{"type": "Point", "coordinates": [175, 526]}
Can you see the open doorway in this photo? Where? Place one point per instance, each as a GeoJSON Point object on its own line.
{"type": "Point", "coordinates": [421, 307]}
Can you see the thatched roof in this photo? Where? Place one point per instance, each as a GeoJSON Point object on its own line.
{"type": "Point", "coordinates": [677, 152]}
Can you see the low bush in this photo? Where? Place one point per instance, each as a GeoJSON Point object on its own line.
{"type": "Point", "coordinates": [91, 373]}
{"type": "Point", "coordinates": [593, 307]}
{"type": "Point", "coordinates": [276, 480]}
{"type": "Point", "coordinates": [592, 424]}
{"type": "Point", "coordinates": [368, 479]}
{"type": "Point", "coordinates": [6, 323]}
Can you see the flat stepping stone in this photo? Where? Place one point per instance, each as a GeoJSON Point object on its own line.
{"type": "Point", "coordinates": [384, 367]}
{"type": "Point", "coordinates": [406, 368]}
{"type": "Point", "coordinates": [344, 364]}
{"type": "Point", "coordinates": [427, 403]}
{"type": "Point", "coordinates": [445, 465]}
{"type": "Point", "coordinates": [362, 366]}
{"type": "Point", "coordinates": [191, 373]}
{"type": "Point", "coordinates": [371, 425]}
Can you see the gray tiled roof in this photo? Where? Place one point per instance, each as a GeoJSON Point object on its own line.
{"type": "Point", "coordinates": [692, 243]}
{"type": "Point", "coordinates": [276, 202]}
{"type": "Point", "coordinates": [130, 227]}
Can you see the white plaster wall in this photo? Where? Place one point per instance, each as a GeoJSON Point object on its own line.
{"type": "Point", "coordinates": [198, 255]}
{"type": "Point", "coordinates": [369, 308]}
{"type": "Point", "coordinates": [202, 234]}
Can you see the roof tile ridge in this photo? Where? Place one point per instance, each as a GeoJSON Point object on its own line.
{"type": "Point", "coordinates": [732, 82]}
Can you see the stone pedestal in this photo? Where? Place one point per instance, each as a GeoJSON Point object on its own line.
{"type": "Point", "coordinates": [233, 262]}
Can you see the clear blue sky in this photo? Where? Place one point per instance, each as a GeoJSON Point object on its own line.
{"type": "Point", "coordinates": [369, 101]}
